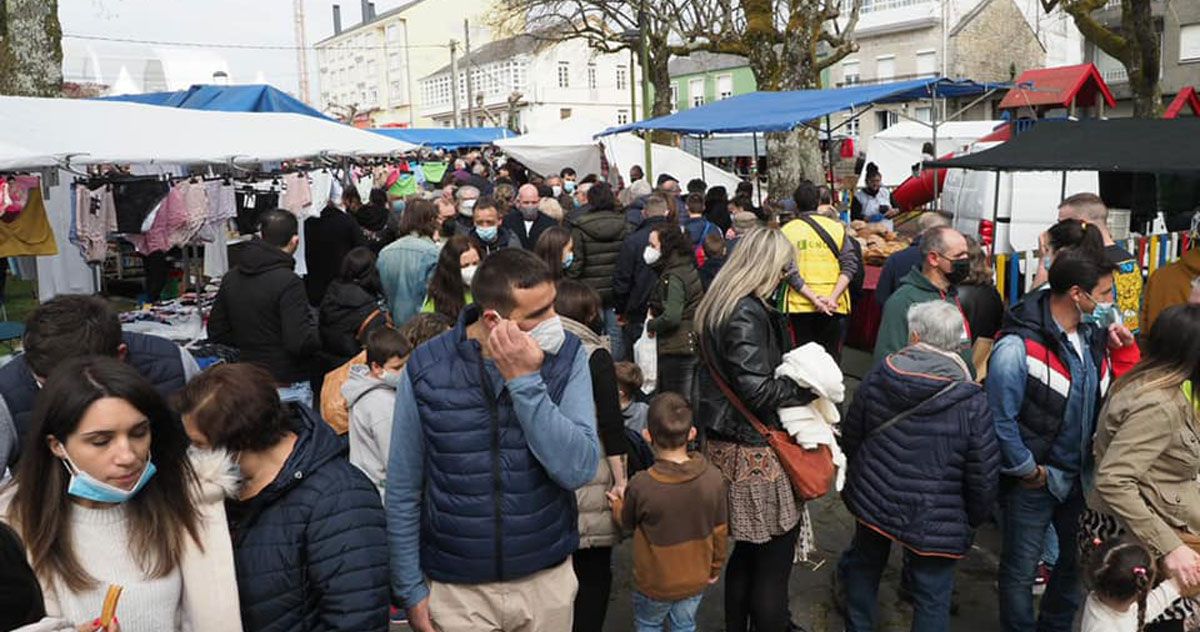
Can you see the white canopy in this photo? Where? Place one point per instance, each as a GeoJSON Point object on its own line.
{"type": "Point", "coordinates": [46, 132]}
{"type": "Point", "coordinates": [896, 149]}
{"type": "Point", "coordinates": [572, 143]}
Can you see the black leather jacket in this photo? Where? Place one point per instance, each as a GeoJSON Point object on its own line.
{"type": "Point", "coordinates": [746, 350]}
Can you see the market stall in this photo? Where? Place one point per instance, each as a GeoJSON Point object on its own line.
{"type": "Point", "coordinates": [446, 137]}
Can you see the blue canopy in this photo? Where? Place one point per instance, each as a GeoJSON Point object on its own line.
{"type": "Point", "coordinates": [241, 98]}
{"type": "Point", "coordinates": [447, 137]}
{"type": "Point", "coordinates": [783, 111]}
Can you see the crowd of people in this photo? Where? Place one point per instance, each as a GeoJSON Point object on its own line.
{"type": "Point", "coordinates": [446, 422]}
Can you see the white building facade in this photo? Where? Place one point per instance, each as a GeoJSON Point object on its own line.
{"type": "Point", "coordinates": [541, 82]}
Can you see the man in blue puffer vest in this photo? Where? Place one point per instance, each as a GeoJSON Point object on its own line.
{"type": "Point", "coordinates": [495, 427]}
{"type": "Point", "coordinates": [72, 325]}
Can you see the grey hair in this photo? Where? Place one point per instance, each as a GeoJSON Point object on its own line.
{"type": "Point", "coordinates": [937, 324]}
{"type": "Point", "coordinates": [466, 191]}
{"type": "Point", "coordinates": [931, 220]}
{"type": "Point", "coordinates": [934, 240]}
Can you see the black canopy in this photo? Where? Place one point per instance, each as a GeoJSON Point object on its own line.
{"type": "Point", "coordinates": [1113, 145]}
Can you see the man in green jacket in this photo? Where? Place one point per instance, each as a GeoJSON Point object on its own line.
{"type": "Point", "coordinates": [944, 264]}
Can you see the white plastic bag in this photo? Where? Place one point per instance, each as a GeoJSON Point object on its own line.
{"type": "Point", "coordinates": [645, 355]}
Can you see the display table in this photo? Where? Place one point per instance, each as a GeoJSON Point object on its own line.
{"type": "Point", "coordinates": [866, 314]}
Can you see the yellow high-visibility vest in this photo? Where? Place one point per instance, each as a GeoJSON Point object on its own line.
{"type": "Point", "coordinates": [817, 264]}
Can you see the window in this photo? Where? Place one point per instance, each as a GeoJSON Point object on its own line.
{"type": "Point", "coordinates": [724, 87]}
{"type": "Point", "coordinates": [927, 63]}
{"type": "Point", "coordinates": [851, 127]}
{"type": "Point", "coordinates": [925, 114]}
{"type": "Point", "coordinates": [592, 75]}
{"type": "Point", "coordinates": [696, 92]}
{"type": "Point", "coordinates": [623, 77]}
{"type": "Point", "coordinates": [564, 74]}
{"type": "Point", "coordinates": [674, 95]}
{"type": "Point", "coordinates": [885, 67]}
{"type": "Point", "coordinates": [1189, 42]}
{"type": "Point", "coordinates": [622, 117]}
{"type": "Point", "coordinates": [850, 74]}
{"type": "Point", "coordinates": [885, 119]}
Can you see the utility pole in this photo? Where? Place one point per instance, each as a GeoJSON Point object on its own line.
{"type": "Point", "coordinates": [301, 47]}
{"type": "Point", "coordinates": [470, 82]}
{"type": "Point", "coordinates": [454, 79]}
{"type": "Point", "coordinates": [643, 23]}
{"type": "Point", "coordinates": [633, 113]}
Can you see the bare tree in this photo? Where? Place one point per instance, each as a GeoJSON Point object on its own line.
{"type": "Point", "coordinates": [788, 44]}
{"type": "Point", "coordinates": [1135, 44]}
{"type": "Point", "coordinates": [30, 48]}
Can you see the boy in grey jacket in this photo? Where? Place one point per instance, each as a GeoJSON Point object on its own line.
{"type": "Point", "coordinates": [370, 393]}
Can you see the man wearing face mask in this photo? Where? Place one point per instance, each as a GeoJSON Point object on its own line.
{"type": "Point", "coordinates": [526, 221]}
{"type": "Point", "coordinates": [494, 427]}
{"type": "Point", "coordinates": [488, 235]}
{"type": "Point", "coordinates": [465, 199]}
{"type": "Point", "coordinates": [1057, 353]}
{"type": "Point", "coordinates": [944, 264]}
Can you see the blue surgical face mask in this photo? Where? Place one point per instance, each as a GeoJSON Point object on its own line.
{"type": "Point", "coordinates": [568, 260]}
{"type": "Point", "coordinates": [1104, 315]}
{"type": "Point", "coordinates": [569, 186]}
{"type": "Point", "coordinates": [397, 206]}
{"type": "Point", "coordinates": [487, 233]}
{"type": "Point", "coordinates": [82, 484]}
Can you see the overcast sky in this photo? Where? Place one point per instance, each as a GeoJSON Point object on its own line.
{"type": "Point", "coordinates": [253, 22]}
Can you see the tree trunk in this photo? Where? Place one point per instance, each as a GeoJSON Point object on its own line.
{"type": "Point", "coordinates": [1144, 61]}
{"type": "Point", "coordinates": [792, 157]}
{"type": "Point", "coordinates": [30, 48]}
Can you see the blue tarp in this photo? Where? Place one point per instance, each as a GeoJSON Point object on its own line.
{"type": "Point", "coordinates": [782, 111]}
{"type": "Point", "coordinates": [242, 98]}
{"type": "Point", "coordinates": [446, 137]}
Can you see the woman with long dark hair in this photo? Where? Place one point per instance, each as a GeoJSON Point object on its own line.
{"type": "Point", "coordinates": [744, 338]}
{"type": "Point", "coordinates": [353, 307]}
{"type": "Point", "coordinates": [716, 207]}
{"type": "Point", "coordinates": [1147, 458]}
{"type": "Point", "coordinates": [1069, 233]}
{"type": "Point", "coordinates": [673, 303]}
{"type": "Point", "coordinates": [105, 494]}
{"type": "Point", "coordinates": [556, 248]}
{"type": "Point", "coordinates": [450, 285]}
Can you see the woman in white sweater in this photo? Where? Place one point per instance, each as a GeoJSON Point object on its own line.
{"type": "Point", "coordinates": [105, 494]}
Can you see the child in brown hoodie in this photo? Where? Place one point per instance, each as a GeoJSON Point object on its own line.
{"type": "Point", "coordinates": [677, 510]}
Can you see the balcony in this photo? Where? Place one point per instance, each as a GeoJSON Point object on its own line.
{"type": "Point", "coordinates": [892, 16]}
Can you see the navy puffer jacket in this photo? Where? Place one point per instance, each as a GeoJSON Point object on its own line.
{"type": "Point", "coordinates": [929, 479]}
{"type": "Point", "coordinates": [311, 548]}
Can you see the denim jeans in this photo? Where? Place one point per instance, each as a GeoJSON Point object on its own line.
{"type": "Point", "coordinates": [616, 338]}
{"type": "Point", "coordinates": [1027, 513]}
{"type": "Point", "coordinates": [650, 614]}
{"type": "Point", "coordinates": [931, 583]}
{"type": "Point", "coordinates": [300, 392]}
{"type": "Point", "coordinates": [1050, 547]}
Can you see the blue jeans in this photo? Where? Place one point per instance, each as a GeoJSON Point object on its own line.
{"type": "Point", "coordinates": [614, 333]}
{"type": "Point", "coordinates": [1027, 513]}
{"type": "Point", "coordinates": [649, 614]}
{"type": "Point", "coordinates": [931, 583]}
{"type": "Point", "coordinates": [300, 392]}
{"type": "Point", "coordinates": [1050, 547]}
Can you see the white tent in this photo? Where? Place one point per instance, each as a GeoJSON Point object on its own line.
{"type": "Point", "coordinates": [48, 132]}
{"type": "Point", "coordinates": [572, 143]}
{"type": "Point", "coordinates": [896, 149]}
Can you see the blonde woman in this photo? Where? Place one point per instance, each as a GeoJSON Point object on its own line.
{"type": "Point", "coordinates": [744, 338]}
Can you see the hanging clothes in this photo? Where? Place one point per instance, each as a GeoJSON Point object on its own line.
{"type": "Point", "coordinates": [297, 194]}
{"type": "Point", "coordinates": [434, 171]}
{"type": "Point", "coordinates": [322, 182]}
{"type": "Point", "coordinates": [94, 218]}
{"type": "Point", "coordinates": [364, 184]}
{"type": "Point", "coordinates": [195, 199]}
{"type": "Point", "coordinates": [30, 232]}
{"type": "Point", "coordinates": [170, 216]}
{"type": "Point", "coordinates": [250, 203]}
{"type": "Point", "coordinates": [222, 207]}
{"type": "Point", "coordinates": [135, 199]}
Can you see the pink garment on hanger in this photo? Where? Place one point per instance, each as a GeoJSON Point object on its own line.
{"type": "Point", "coordinates": [171, 214]}
{"type": "Point", "coordinates": [95, 218]}
{"type": "Point", "coordinates": [195, 197]}
{"type": "Point", "coordinates": [297, 194]}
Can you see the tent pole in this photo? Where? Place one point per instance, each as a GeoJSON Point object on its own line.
{"type": "Point", "coordinates": [829, 151]}
{"type": "Point", "coordinates": [1062, 194]}
{"type": "Point", "coordinates": [754, 170]}
{"type": "Point", "coordinates": [702, 176]}
{"type": "Point", "coordinates": [933, 113]}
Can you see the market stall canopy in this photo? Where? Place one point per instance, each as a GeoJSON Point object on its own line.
{"type": "Point", "coordinates": [1057, 88]}
{"type": "Point", "coordinates": [896, 149]}
{"type": "Point", "coordinates": [53, 132]}
{"type": "Point", "coordinates": [783, 111]}
{"type": "Point", "coordinates": [446, 137]}
{"type": "Point", "coordinates": [572, 143]}
{"type": "Point", "coordinates": [1113, 145]}
{"type": "Point", "coordinates": [241, 98]}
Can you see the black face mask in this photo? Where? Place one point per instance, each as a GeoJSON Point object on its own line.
{"type": "Point", "coordinates": [959, 271]}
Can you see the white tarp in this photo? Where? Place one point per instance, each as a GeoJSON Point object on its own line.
{"type": "Point", "coordinates": [896, 149]}
{"type": "Point", "coordinates": [42, 132]}
{"type": "Point", "coordinates": [571, 143]}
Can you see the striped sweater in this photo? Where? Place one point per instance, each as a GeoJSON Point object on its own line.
{"type": "Point", "coordinates": [678, 514]}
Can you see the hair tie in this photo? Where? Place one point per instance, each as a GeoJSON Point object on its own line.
{"type": "Point", "coordinates": [1140, 571]}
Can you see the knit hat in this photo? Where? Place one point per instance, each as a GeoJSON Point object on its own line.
{"type": "Point", "coordinates": [743, 221]}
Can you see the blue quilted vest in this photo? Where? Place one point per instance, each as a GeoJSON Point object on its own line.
{"type": "Point", "coordinates": [156, 359]}
{"type": "Point", "coordinates": [490, 511]}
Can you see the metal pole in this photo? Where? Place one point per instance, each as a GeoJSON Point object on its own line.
{"type": "Point", "coordinates": [1062, 194]}
{"type": "Point", "coordinates": [702, 159]}
{"type": "Point", "coordinates": [754, 170]}
{"type": "Point", "coordinates": [454, 80]}
{"type": "Point", "coordinates": [470, 83]}
{"type": "Point", "coordinates": [633, 113]}
{"type": "Point", "coordinates": [829, 151]}
{"type": "Point", "coordinates": [933, 114]}
{"type": "Point", "coordinates": [642, 23]}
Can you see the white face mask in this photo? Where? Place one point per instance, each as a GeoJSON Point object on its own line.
{"type": "Point", "coordinates": [468, 273]}
{"type": "Point", "coordinates": [557, 190]}
{"type": "Point", "coordinates": [651, 255]}
{"type": "Point", "coordinates": [466, 208]}
{"type": "Point", "coordinates": [549, 335]}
